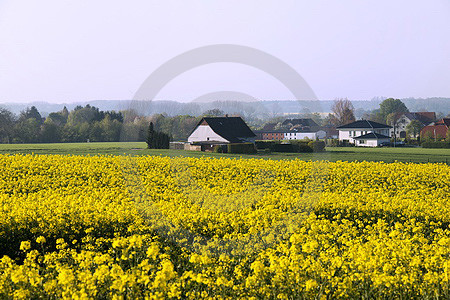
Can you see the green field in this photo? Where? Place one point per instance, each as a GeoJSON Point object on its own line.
{"type": "Point", "coordinates": [417, 155]}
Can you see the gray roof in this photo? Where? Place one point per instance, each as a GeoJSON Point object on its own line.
{"type": "Point", "coordinates": [230, 128]}
{"type": "Point", "coordinates": [363, 124]}
{"type": "Point", "coordinates": [372, 136]}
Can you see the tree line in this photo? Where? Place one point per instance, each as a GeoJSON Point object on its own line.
{"type": "Point", "coordinates": [88, 124]}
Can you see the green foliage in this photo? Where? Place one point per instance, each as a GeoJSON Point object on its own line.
{"type": "Point", "coordinates": [220, 149]}
{"type": "Point", "coordinates": [6, 125]}
{"type": "Point", "coordinates": [243, 148]}
{"type": "Point", "coordinates": [261, 145]}
{"type": "Point", "coordinates": [413, 128]}
{"type": "Point", "coordinates": [301, 146]}
{"type": "Point", "coordinates": [390, 106]}
{"type": "Point", "coordinates": [317, 146]}
{"type": "Point", "coordinates": [438, 144]}
{"type": "Point", "coordinates": [157, 139]}
{"type": "Point", "coordinates": [283, 148]}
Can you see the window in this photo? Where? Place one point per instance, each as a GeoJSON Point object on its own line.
{"type": "Point", "coordinates": [362, 141]}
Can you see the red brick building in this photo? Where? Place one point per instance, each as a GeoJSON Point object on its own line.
{"type": "Point", "coordinates": [437, 130]}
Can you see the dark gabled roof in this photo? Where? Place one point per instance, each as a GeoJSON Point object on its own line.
{"type": "Point", "coordinates": [364, 124]}
{"type": "Point", "coordinates": [372, 136]}
{"type": "Point", "coordinates": [424, 117]}
{"type": "Point", "coordinates": [269, 126]}
{"type": "Point", "coordinates": [230, 128]}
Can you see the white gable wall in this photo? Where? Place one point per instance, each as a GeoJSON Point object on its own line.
{"type": "Point", "coordinates": [204, 133]}
{"type": "Point", "coordinates": [370, 142]}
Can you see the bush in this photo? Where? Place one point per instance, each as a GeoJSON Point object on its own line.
{"type": "Point", "coordinates": [440, 144]}
{"type": "Point", "coordinates": [301, 146]}
{"type": "Point", "coordinates": [244, 148]}
{"type": "Point", "coordinates": [317, 146]}
{"type": "Point", "coordinates": [220, 149]}
{"type": "Point", "coordinates": [333, 143]}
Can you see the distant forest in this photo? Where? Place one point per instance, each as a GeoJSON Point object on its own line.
{"type": "Point", "coordinates": [257, 109]}
{"type": "Point", "coordinates": [110, 121]}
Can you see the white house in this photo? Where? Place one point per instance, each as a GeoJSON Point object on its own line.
{"type": "Point", "coordinates": [371, 140]}
{"type": "Point", "coordinates": [313, 135]}
{"type": "Point", "coordinates": [221, 130]}
{"type": "Point", "coordinates": [361, 128]}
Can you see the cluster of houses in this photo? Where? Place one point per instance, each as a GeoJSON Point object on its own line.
{"type": "Point", "coordinates": [212, 131]}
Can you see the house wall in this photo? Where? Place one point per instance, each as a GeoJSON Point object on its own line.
{"type": "Point", "coordinates": [370, 142]}
{"type": "Point", "coordinates": [300, 135]}
{"type": "Point", "coordinates": [303, 135]}
{"type": "Point", "coordinates": [272, 136]}
{"type": "Point", "coordinates": [400, 125]}
{"type": "Point", "coordinates": [204, 133]}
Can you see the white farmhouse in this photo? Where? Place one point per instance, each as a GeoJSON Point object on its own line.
{"type": "Point", "coordinates": [221, 130]}
{"type": "Point", "coordinates": [312, 135]}
{"type": "Point", "coordinates": [364, 133]}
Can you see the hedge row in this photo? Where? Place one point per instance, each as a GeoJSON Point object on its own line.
{"type": "Point", "coordinates": [440, 144]}
{"type": "Point", "coordinates": [298, 146]}
{"type": "Point", "coordinates": [243, 148]}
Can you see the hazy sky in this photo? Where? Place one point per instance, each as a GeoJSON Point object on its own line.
{"type": "Point", "coordinates": [64, 51]}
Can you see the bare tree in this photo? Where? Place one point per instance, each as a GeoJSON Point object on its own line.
{"type": "Point", "coordinates": [343, 111]}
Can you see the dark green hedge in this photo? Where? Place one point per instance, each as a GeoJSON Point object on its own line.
{"type": "Point", "coordinates": [243, 148]}
{"type": "Point", "coordinates": [261, 145]}
{"type": "Point", "coordinates": [440, 144]}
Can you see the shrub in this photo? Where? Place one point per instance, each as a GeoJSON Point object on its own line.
{"type": "Point", "coordinates": [244, 148]}
{"type": "Point", "coordinates": [440, 144]}
{"type": "Point", "coordinates": [317, 146]}
{"type": "Point", "coordinates": [333, 143]}
{"type": "Point", "coordinates": [220, 149]}
{"type": "Point", "coordinates": [301, 146]}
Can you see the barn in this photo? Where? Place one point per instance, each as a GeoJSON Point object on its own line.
{"type": "Point", "coordinates": [216, 130]}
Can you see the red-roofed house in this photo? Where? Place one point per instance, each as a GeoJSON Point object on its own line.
{"type": "Point", "coordinates": [437, 130]}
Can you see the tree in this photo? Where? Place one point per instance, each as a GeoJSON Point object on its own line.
{"type": "Point", "coordinates": [150, 136]}
{"type": "Point", "coordinates": [7, 119]}
{"type": "Point", "coordinates": [157, 139]}
{"type": "Point", "coordinates": [343, 112]}
{"type": "Point", "coordinates": [87, 114]}
{"type": "Point", "coordinates": [214, 113]}
{"type": "Point", "coordinates": [413, 128]}
{"type": "Point", "coordinates": [27, 131]}
{"type": "Point", "coordinates": [50, 132]}
{"type": "Point", "coordinates": [31, 113]}
{"type": "Point", "coordinates": [390, 106]}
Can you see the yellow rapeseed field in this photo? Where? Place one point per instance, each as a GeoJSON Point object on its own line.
{"type": "Point", "coordinates": [117, 227]}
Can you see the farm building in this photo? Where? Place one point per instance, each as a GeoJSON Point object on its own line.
{"type": "Point", "coordinates": [425, 118]}
{"type": "Point", "coordinates": [221, 130]}
{"type": "Point", "coordinates": [292, 129]}
{"type": "Point", "coordinates": [360, 130]}
{"type": "Point", "coordinates": [437, 130]}
{"type": "Point", "coordinates": [290, 134]}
